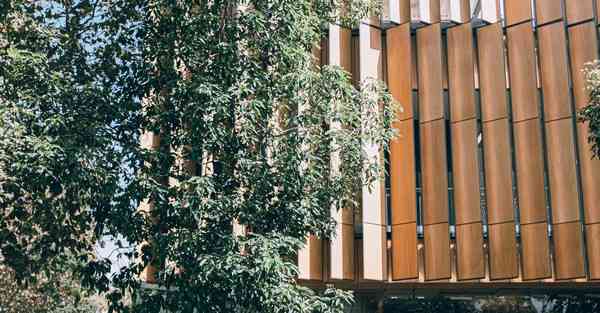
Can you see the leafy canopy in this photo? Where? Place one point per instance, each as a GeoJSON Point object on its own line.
{"type": "Point", "coordinates": [234, 114]}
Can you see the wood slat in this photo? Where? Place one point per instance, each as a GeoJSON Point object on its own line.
{"type": "Point", "coordinates": [403, 175]}
{"type": "Point", "coordinates": [374, 252]}
{"type": "Point", "coordinates": [404, 252]}
{"type": "Point", "coordinates": [568, 251]}
{"type": "Point", "coordinates": [579, 10]}
{"type": "Point", "coordinates": [522, 70]}
{"type": "Point", "coordinates": [460, 69]}
{"type": "Point", "coordinates": [310, 260]}
{"type": "Point", "coordinates": [469, 251]}
{"type": "Point", "coordinates": [583, 45]}
{"type": "Point", "coordinates": [498, 171]}
{"type": "Point", "coordinates": [562, 171]}
{"type": "Point", "coordinates": [342, 253]}
{"type": "Point", "coordinates": [397, 11]}
{"type": "Point", "coordinates": [503, 251]}
{"type": "Point", "coordinates": [435, 172]}
{"type": "Point", "coordinates": [530, 171]}
{"type": "Point", "coordinates": [400, 60]}
{"type": "Point", "coordinates": [457, 11]}
{"type": "Point", "coordinates": [492, 78]}
{"type": "Point", "coordinates": [429, 50]}
{"type": "Point", "coordinates": [592, 235]}
{"type": "Point", "coordinates": [437, 251]}
{"type": "Point", "coordinates": [465, 171]}
{"type": "Point", "coordinates": [548, 10]}
{"type": "Point", "coordinates": [340, 47]}
{"type": "Point", "coordinates": [535, 249]}
{"type": "Point", "coordinates": [517, 11]}
{"type": "Point", "coordinates": [554, 71]}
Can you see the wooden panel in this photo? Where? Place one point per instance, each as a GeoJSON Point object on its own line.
{"type": "Point", "coordinates": [403, 174]}
{"type": "Point", "coordinates": [465, 171]}
{"type": "Point", "coordinates": [427, 11]}
{"type": "Point", "coordinates": [503, 251]}
{"type": "Point", "coordinates": [374, 252]}
{"type": "Point", "coordinates": [592, 235]}
{"type": "Point", "coordinates": [437, 252]}
{"type": "Point", "coordinates": [568, 252]}
{"type": "Point", "coordinates": [434, 168]}
{"type": "Point", "coordinates": [457, 11]}
{"type": "Point", "coordinates": [554, 71]}
{"type": "Point", "coordinates": [548, 10]}
{"type": "Point", "coordinates": [492, 78]}
{"type": "Point", "coordinates": [340, 47]}
{"type": "Point", "coordinates": [490, 10]}
{"type": "Point", "coordinates": [404, 251]}
{"type": "Point", "coordinates": [562, 171]}
{"type": "Point", "coordinates": [590, 177]}
{"type": "Point", "coordinates": [498, 171]}
{"type": "Point", "coordinates": [397, 11]}
{"type": "Point", "coordinates": [431, 100]}
{"type": "Point", "coordinates": [399, 59]}
{"type": "Point", "coordinates": [535, 249]}
{"type": "Point", "coordinates": [310, 260]}
{"type": "Point", "coordinates": [517, 11]}
{"type": "Point", "coordinates": [530, 171]}
{"type": "Point", "coordinates": [469, 242]}
{"type": "Point", "coordinates": [583, 44]}
{"type": "Point", "coordinates": [579, 10]}
{"type": "Point", "coordinates": [342, 252]}
{"type": "Point", "coordinates": [460, 69]}
{"type": "Point", "coordinates": [522, 70]}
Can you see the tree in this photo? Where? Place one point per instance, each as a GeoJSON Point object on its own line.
{"type": "Point", "coordinates": [591, 113]}
{"type": "Point", "coordinates": [233, 111]}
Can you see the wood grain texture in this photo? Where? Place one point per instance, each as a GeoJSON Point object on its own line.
{"type": "Point", "coordinates": [435, 172]}
{"type": "Point", "coordinates": [568, 251]}
{"type": "Point", "coordinates": [342, 253]}
{"type": "Point", "coordinates": [404, 252]}
{"type": "Point", "coordinates": [535, 249]}
{"type": "Point", "coordinates": [429, 46]}
{"type": "Point", "coordinates": [548, 10]}
{"type": "Point", "coordinates": [492, 78]}
{"type": "Point", "coordinates": [590, 176]}
{"type": "Point", "coordinates": [340, 47]}
{"type": "Point", "coordinates": [522, 70]}
{"type": "Point", "coordinates": [374, 252]}
{"type": "Point", "coordinates": [469, 251]}
{"type": "Point", "coordinates": [460, 73]}
{"type": "Point", "coordinates": [403, 175]}
{"type": "Point", "coordinates": [530, 171]}
{"type": "Point", "coordinates": [503, 251]}
{"type": "Point", "coordinates": [592, 235]}
{"type": "Point", "coordinates": [554, 71]}
{"type": "Point", "coordinates": [465, 171]}
{"type": "Point", "coordinates": [517, 11]}
{"type": "Point", "coordinates": [583, 45]}
{"type": "Point", "coordinates": [562, 171]}
{"type": "Point", "coordinates": [579, 10]}
{"type": "Point", "coordinates": [310, 260]}
{"type": "Point", "coordinates": [399, 60]}
{"type": "Point", "coordinates": [498, 171]}
{"type": "Point", "coordinates": [437, 252]}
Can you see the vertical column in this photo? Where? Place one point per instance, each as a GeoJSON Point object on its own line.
{"type": "Point", "coordinates": [583, 45]}
{"type": "Point", "coordinates": [535, 245]}
{"type": "Point", "coordinates": [497, 153]}
{"type": "Point", "coordinates": [342, 244]}
{"type": "Point", "coordinates": [373, 197]}
{"type": "Point", "coordinates": [402, 155]}
{"type": "Point", "coordinates": [558, 116]}
{"type": "Point", "coordinates": [465, 163]}
{"type": "Point", "coordinates": [310, 257]}
{"type": "Point", "coordinates": [433, 153]}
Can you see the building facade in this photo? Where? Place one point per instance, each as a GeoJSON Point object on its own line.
{"type": "Point", "coordinates": [492, 186]}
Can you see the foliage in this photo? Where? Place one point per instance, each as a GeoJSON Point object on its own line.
{"type": "Point", "coordinates": [234, 111]}
{"type": "Point", "coordinates": [57, 293]}
{"type": "Point", "coordinates": [591, 113]}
